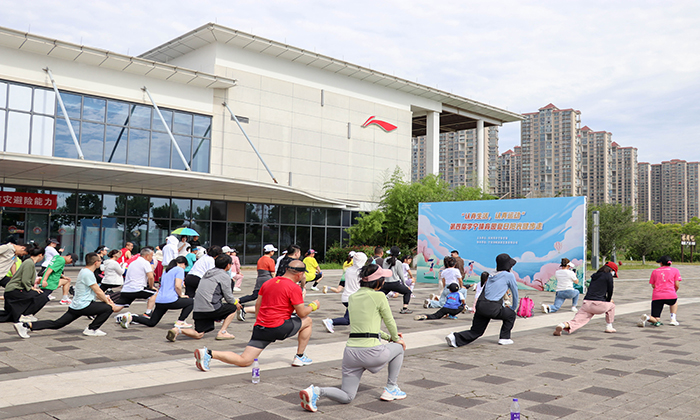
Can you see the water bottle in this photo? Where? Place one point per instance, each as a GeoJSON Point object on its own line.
{"type": "Point", "coordinates": [256, 374]}
{"type": "Point", "coordinates": [515, 410]}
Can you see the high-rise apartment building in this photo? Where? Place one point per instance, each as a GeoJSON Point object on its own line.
{"type": "Point", "coordinates": [644, 192]}
{"type": "Point", "coordinates": [596, 170]}
{"type": "Point", "coordinates": [624, 177]}
{"type": "Point", "coordinates": [458, 154]}
{"type": "Point", "coordinates": [509, 168]}
{"type": "Point", "coordinates": [669, 190]}
{"type": "Point", "coordinates": [551, 152]}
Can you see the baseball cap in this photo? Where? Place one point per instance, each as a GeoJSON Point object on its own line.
{"type": "Point", "coordinates": [74, 257]}
{"type": "Point", "coordinates": [312, 251]}
{"type": "Point", "coordinates": [572, 265]}
{"type": "Point", "coordinates": [226, 249]}
{"type": "Point", "coordinates": [269, 248]}
{"type": "Point", "coordinates": [53, 241]}
{"type": "Point", "coordinates": [613, 266]}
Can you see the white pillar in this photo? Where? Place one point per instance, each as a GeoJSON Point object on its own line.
{"type": "Point", "coordinates": [432, 143]}
{"type": "Point", "coordinates": [481, 162]}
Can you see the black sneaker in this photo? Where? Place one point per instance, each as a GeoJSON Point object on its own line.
{"type": "Point", "coordinates": [241, 315]}
{"type": "Point", "coordinates": [405, 311]}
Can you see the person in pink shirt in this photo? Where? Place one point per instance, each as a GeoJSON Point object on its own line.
{"type": "Point", "coordinates": [665, 281]}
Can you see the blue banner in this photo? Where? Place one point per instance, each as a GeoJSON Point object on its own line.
{"type": "Point", "coordinates": [536, 232]}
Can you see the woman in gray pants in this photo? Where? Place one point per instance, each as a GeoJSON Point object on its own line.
{"type": "Point", "coordinates": [368, 307]}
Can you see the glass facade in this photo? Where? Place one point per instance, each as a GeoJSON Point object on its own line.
{"type": "Point", "coordinates": [107, 130]}
{"type": "Point", "coordinates": [84, 220]}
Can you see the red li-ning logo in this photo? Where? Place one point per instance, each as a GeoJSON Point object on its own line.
{"type": "Point", "coordinates": [383, 124]}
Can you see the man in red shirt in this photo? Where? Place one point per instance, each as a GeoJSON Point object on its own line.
{"type": "Point", "coordinates": [126, 253]}
{"type": "Point", "coordinates": [277, 299]}
{"type": "Point", "coordinates": [266, 269]}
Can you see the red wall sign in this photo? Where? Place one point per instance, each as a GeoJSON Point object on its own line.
{"type": "Point", "coordinates": [383, 124]}
{"type": "Point", "coordinates": [28, 200]}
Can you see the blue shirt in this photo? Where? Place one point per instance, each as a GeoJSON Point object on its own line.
{"type": "Point", "coordinates": [167, 292]}
{"type": "Point", "coordinates": [84, 295]}
{"type": "Point", "coordinates": [191, 259]}
{"type": "Point", "coordinates": [497, 285]}
{"type": "Point", "coordinates": [453, 300]}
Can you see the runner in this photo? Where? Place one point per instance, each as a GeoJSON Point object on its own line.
{"type": "Point", "coordinates": [352, 285]}
{"type": "Point", "coordinates": [491, 306]}
{"type": "Point", "coordinates": [171, 295]}
{"type": "Point", "coordinates": [209, 307]}
{"type": "Point", "coordinates": [665, 281]}
{"type": "Point", "coordinates": [363, 350]}
{"type": "Point", "coordinates": [277, 300]}
{"type": "Point", "coordinates": [86, 290]}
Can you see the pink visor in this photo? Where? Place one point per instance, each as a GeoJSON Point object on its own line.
{"type": "Point", "coordinates": [382, 272]}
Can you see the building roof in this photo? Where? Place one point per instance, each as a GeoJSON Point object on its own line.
{"type": "Point", "coordinates": [54, 172]}
{"type": "Point", "coordinates": [212, 33]}
{"type": "Point", "coordinates": [36, 44]}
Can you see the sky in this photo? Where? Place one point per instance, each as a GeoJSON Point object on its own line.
{"type": "Point", "coordinates": [631, 67]}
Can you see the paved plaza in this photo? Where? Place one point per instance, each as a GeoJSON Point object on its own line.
{"type": "Point", "coordinates": [638, 373]}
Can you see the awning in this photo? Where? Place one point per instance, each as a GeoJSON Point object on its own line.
{"type": "Point", "coordinates": [62, 173]}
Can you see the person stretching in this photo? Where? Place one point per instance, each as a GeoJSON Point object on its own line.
{"type": "Point", "coordinates": [213, 289]}
{"type": "Point", "coordinates": [665, 281]}
{"type": "Point", "coordinates": [565, 288]}
{"type": "Point", "coordinates": [490, 306]}
{"type": "Point", "coordinates": [363, 350]}
{"type": "Point", "coordinates": [171, 295]}
{"type": "Point", "coordinates": [352, 285]}
{"type": "Point", "coordinates": [22, 298]}
{"type": "Point", "coordinates": [598, 300]}
{"type": "Point", "coordinates": [395, 282]}
{"type": "Point", "coordinates": [454, 304]}
{"type": "Point", "coordinates": [266, 269]}
{"type": "Point", "coordinates": [277, 299]}
{"type": "Point", "coordinates": [86, 290]}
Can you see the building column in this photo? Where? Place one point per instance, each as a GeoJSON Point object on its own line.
{"type": "Point", "coordinates": [481, 163]}
{"type": "Point", "coordinates": [432, 143]}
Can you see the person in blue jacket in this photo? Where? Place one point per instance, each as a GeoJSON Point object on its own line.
{"type": "Point", "coordinates": [490, 306]}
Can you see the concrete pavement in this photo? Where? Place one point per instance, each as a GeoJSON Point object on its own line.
{"type": "Point", "coordinates": [136, 373]}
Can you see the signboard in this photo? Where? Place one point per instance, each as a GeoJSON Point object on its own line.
{"type": "Point", "coordinates": [28, 200]}
{"type": "Point", "coordinates": [536, 232]}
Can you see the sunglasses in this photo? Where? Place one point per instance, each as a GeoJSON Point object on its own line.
{"type": "Point", "coordinates": [298, 269]}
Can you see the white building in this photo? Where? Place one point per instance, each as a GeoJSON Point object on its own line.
{"type": "Point", "coordinates": [315, 120]}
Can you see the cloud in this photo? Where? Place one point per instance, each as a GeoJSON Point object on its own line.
{"type": "Point", "coordinates": [632, 68]}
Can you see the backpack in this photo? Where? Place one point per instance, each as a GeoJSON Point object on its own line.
{"type": "Point", "coordinates": [525, 306]}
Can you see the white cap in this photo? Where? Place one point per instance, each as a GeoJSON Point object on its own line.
{"type": "Point", "coordinates": [226, 249]}
{"type": "Point", "coordinates": [572, 265]}
{"type": "Point", "coordinates": [269, 248]}
{"type": "Point", "coordinates": [352, 254]}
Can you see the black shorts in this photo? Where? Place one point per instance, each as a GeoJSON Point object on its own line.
{"type": "Point", "coordinates": [263, 337]}
{"type": "Point", "coordinates": [342, 283]}
{"type": "Point", "coordinates": [204, 321]}
{"type": "Point", "coordinates": [125, 298]}
{"type": "Point", "coordinates": [658, 305]}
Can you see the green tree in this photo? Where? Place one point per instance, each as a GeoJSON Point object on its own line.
{"type": "Point", "coordinates": [616, 226]}
{"type": "Point", "coordinates": [395, 222]}
{"type": "Point", "coordinates": [647, 239]}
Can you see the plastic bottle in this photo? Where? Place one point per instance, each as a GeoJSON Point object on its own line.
{"type": "Point", "coordinates": [256, 373]}
{"type": "Point", "coordinates": [515, 410]}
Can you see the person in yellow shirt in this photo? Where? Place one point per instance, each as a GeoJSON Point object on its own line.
{"type": "Point", "coordinates": [313, 271]}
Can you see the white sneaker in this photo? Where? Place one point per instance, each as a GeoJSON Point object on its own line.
{"type": "Point", "coordinates": [52, 297]}
{"type": "Point", "coordinates": [325, 290]}
{"type": "Point", "coordinates": [328, 323]}
{"type": "Point", "coordinates": [574, 309]}
{"type": "Point", "coordinates": [22, 331]}
{"type": "Point", "coordinates": [451, 341]}
{"type": "Point", "coordinates": [505, 341]}
{"type": "Point", "coordinates": [315, 289]}
{"type": "Point", "coordinates": [94, 333]}
{"type": "Point", "coordinates": [236, 289]}
{"type": "Point", "coordinates": [426, 304]}
{"type": "Point", "coordinates": [126, 320]}
{"type": "Point", "coordinates": [643, 321]}
{"type": "Point", "coordinates": [674, 323]}
{"type": "Point", "coordinates": [27, 318]}
{"type": "Point", "coordinates": [545, 309]}
{"type": "Point", "coordinates": [65, 301]}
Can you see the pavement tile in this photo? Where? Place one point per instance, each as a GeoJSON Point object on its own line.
{"type": "Point", "coordinates": [6, 349]}
{"type": "Point", "coordinates": [676, 352]}
{"type": "Point", "coordinates": [459, 366]}
{"type": "Point", "coordinates": [382, 407]}
{"type": "Point", "coordinates": [534, 350]}
{"type": "Point", "coordinates": [567, 360]}
{"type": "Point", "coordinates": [666, 343]}
{"type": "Point", "coordinates": [516, 363]}
{"type": "Point", "coordinates": [555, 375]}
{"type": "Point", "coordinates": [612, 372]}
{"type": "Point", "coordinates": [62, 348]}
{"type": "Point", "coordinates": [651, 372]}
{"type": "Point", "coordinates": [491, 379]}
{"type": "Point", "coordinates": [459, 401]}
{"type": "Point", "coordinates": [685, 362]}
{"type": "Point", "coordinates": [625, 346]}
{"type": "Point", "coordinates": [552, 410]}
{"type": "Point", "coordinates": [582, 348]}
{"type": "Point", "coordinates": [619, 357]}
{"type": "Point", "coordinates": [535, 396]}
{"type": "Point", "coordinates": [427, 383]}
{"type": "Point", "coordinates": [604, 392]}
{"type": "Point", "coordinates": [95, 360]}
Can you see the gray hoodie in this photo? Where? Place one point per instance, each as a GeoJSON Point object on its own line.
{"type": "Point", "coordinates": [214, 285]}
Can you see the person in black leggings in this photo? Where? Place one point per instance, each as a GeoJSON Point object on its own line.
{"type": "Point", "coordinates": [395, 283]}
{"type": "Point", "coordinates": [170, 296]}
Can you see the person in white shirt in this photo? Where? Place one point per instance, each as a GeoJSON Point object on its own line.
{"type": "Point", "coordinates": [138, 283]}
{"type": "Point", "coordinates": [170, 250]}
{"type": "Point", "coordinates": [566, 278]}
{"type": "Point", "coordinates": [49, 252]}
{"type": "Point", "coordinates": [352, 285]}
{"type": "Point", "coordinates": [113, 271]}
{"type": "Point", "coordinates": [203, 264]}
{"type": "Point", "coordinates": [450, 274]}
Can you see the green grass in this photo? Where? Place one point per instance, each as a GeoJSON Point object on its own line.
{"type": "Point", "coordinates": [637, 265]}
{"type": "Point", "coordinates": [331, 266]}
